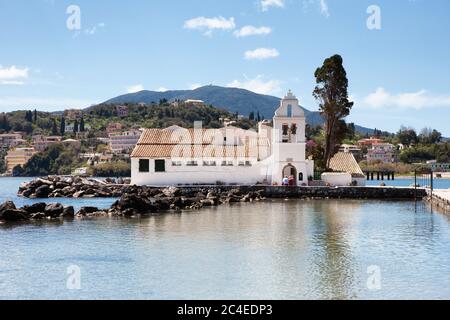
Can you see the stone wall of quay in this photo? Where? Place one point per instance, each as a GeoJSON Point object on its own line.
{"type": "Point", "coordinates": [440, 202]}
{"type": "Point", "coordinates": [387, 193]}
{"type": "Point", "coordinates": [72, 187]}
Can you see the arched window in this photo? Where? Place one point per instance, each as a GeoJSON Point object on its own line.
{"type": "Point", "coordinates": [294, 128]}
{"type": "Point", "coordinates": [289, 111]}
{"type": "Point", "coordinates": [300, 176]}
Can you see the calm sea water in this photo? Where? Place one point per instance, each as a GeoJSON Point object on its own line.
{"type": "Point", "coordinates": [437, 183]}
{"type": "Point", "coordinates": [271, 250]}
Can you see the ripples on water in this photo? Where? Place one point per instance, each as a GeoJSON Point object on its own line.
{"type": "Point", "coordinates": [271, 250]}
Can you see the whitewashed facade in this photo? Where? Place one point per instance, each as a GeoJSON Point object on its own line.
{"type": "Point", "coordinates": [177, 156]}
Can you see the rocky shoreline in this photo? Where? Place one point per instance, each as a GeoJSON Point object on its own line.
{"type": "Point", "coordinates": [137, 201]}
{"type": "Point", "coordinates": [140, 200]}
{"type": "Point", "coordinates": [71, 187]}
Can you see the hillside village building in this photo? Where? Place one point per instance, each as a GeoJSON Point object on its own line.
{"type": "Point", "coordinates": [10, 140]}
{"type": "Point", "coordinates": [176, 156]}
{"type": "Point", "coordinates": [41, 142]}
{"type": "Point", "coordinates": [384, 152]}
{"type": "Point", "coordinates": [18, 157]}
{"type": "Point", "coordinates": [124, 141]}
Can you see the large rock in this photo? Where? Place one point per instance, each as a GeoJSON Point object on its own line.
{"type": "Point", "coordinates": [43, 191]}
{"type": "Point", "coordinates": [35, 208]}
{"type": "Point", "coordinates": [54, 210]}
{"type": "Point", "coordinates": [171, 192]}
{"type": "Point", "coordinates": [68, 212]}
{"type": "Point", "coordinates": [84, 211]}
{"type": "Point", "coordinates": [132, 201]}
{"type": "Point", "coordinates": [9, 212]}
{"type": "Point", "coordinates": [78, 194]}
{"type": "Point", "coordinates": [8, 205]}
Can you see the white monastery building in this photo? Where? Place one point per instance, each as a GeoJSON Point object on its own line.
{"type": "Point", "coordinates": [178, 156]}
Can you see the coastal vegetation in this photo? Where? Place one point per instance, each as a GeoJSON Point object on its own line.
{"type": "Point", "coordinates": [155, 115]}
{"type": "Point", "coordinates": [112, 169]}
{"type": "Point", "coordinates": [56, 159]}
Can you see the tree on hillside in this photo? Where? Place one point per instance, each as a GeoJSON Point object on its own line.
{"type": "Point", "coordinates": [35, 116]}
{"type": "Point", "coordinates": [430, 136]}
{"type": "Point", "coordinates": [4, 123]}
{"type": "Point", "coordinates": [82, 124]}
{"type": "Point", "coordinates": [351, 131]}
{"type": "Point", "coordinates": [407, 136]}
{"type": "Point", "coordinates": [332, 93]}
{"type": "Point", "coordinates": [75, 126]}
{"type": "Point", "coordinates": [29, 116]}
{"type": "Point", "coordinates": [63, 126]}
{"type": "Point", "coordinates": [54, 127]}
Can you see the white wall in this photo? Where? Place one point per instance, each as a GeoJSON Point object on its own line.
{"type": "Point", "coordinates": [258, 172]}
{"type": "Point", "coordinates": [337, 179]}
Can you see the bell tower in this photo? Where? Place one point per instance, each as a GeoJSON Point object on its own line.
{"type": "Point", "coordinates": [289, 142]}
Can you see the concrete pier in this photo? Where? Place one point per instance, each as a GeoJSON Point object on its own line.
{"type": "Point", "coordinates": [441, 199]}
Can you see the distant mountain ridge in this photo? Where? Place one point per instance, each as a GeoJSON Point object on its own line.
{"type": "Point", "coordinates": [232, 99]}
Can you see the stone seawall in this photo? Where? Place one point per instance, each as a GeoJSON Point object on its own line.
{"type": "Point", "coordinates": [441, 200]}
{"type": "Point", "coordinates": [73, 187]}
{"type": "Point", "coordinates": [321, 192]}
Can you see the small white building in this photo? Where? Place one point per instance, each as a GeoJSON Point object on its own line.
{"type": "Point", "coordinates": [346, 171]}
{"type": "Point", "coordinates": [230, 155]}
{"type": "Point", "coordinates": [384, 152]}
{"type": "Point", "coordinates": [124, 141]}
{"type": "Point", "coordinates": [197, 103]}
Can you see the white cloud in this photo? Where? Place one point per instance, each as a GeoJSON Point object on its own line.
{"type": "Point", "coordinates": [135, 88]}
{"type": "Point", "coordinates": [162, 89]}
{"type": "Point", "coordinates": [13, 75]}
{"type": "Point", "coordinates": [258, 85]}
{"type": "Point", "coordinates": [208, 25]}
{"type": "Point", "coordinates": [252, 31]}
{"type": "Point", "coordinates": [324, 8]}
{"type": "Point", "coordinates": [14, 103]}
{"type": "Point", "coordinates": [261, 53]}
{"type": "Point", "coordinates": [409, 100]}
{"type": "Point", "coordinates": [266, 4]}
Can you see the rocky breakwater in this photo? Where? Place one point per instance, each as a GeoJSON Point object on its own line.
{"type": "Point", "coordinates": [38, 211]}
{"type": "Point", "coordinates": [144, 201]}
{"type": "Point", "coordinates": [69, 187]}
{"type": "Point", "coordinates": [43, 211]}
{"type": "Point", "coordinates": [136, 201]}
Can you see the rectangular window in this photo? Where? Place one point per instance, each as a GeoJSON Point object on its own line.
{"type": "Point", "coordinates": [192, 163]}
{"type": "Point", "coordinates": [160, 165]}
{"type": "Point", "coordinates": [177, 164]}
{"type": "Point", "coordinates": [144, 165]}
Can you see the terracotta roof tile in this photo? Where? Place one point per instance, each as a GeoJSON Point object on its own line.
{"type": "Point", "coordinates": [207, 143]}
{"type": "Point", "coordinates": [346, 162]}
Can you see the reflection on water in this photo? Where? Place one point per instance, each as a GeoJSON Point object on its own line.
{"type": "Point", "coordinates": [269, 250]}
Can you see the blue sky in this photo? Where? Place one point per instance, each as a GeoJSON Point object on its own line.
{"type": "Point", "coordinates": [399, 74]}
